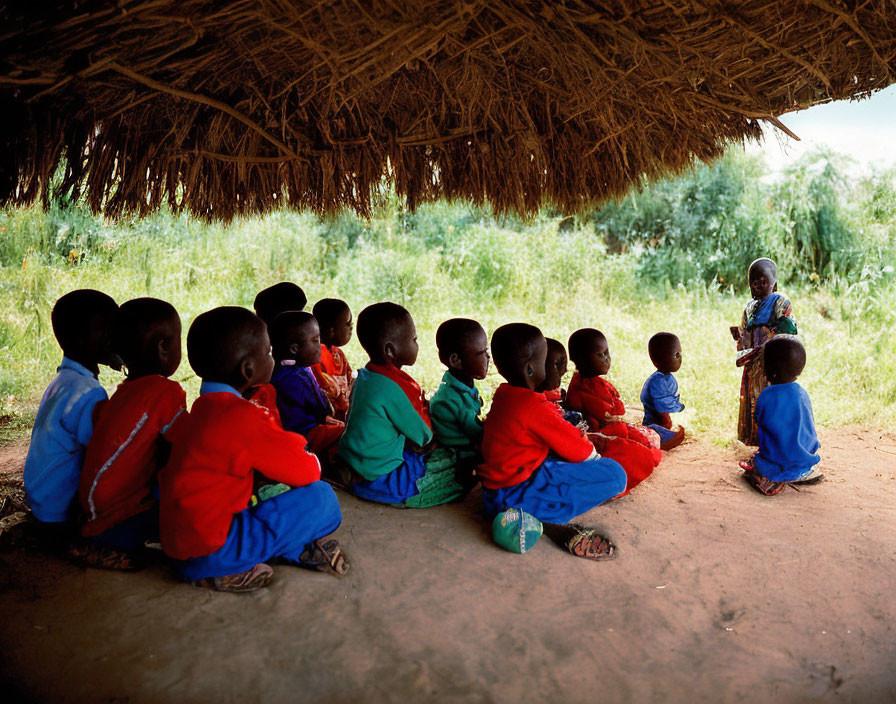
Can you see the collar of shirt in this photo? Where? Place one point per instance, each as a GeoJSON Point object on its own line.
{"type": "Point", "coordinates": [74, 366]}
{"type": "Point", "coordinates": [212, 387]}
{"type": "Point", "coordinates": [455, 383]}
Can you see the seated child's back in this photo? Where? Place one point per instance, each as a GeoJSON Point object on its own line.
{"type": "Point", "coordinates": [207, 525]}
{"type": "Point", "coordinates": [126, 451]}
{"type": "Point", "coordinates": [82, 322]}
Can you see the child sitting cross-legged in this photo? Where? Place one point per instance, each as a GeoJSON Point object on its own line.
{"type": "Point", "coordinates": [207, 526]}
{"type": "Point", "coordinates": [118, 487]}
{"type": "Point", "coordinates": [788, 444]}
{"type": "Point", "coordinates": [659, 395]}
{"type": "Point", "coordinates": [536, 461]}
{"type": "Point", "coordinates": [388, 433]}
{"type": "Point", "coordinates": [333, 373]}
{"type": "Point", "coordinates": [456, 404]}
{"type": "Point", "coordinates": [595, 397]}
{"type": "Point", "coordinates": [82, 323]}
{"type": "Point", "coordinates": [303, 406]}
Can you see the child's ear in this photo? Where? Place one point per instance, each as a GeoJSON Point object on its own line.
{"type": "Point", "coordinates": [247, 368]}
{"type": "Point", "coordinates": [389, 350]}
{"type": "Point", "coordinates": [163, 348]}
{"type": "Point", "coordinates": [294, 348]}
{"type": "Point", "coordinates": [775, 287]}
{"type": "Point", "coordinates": [454, 361]}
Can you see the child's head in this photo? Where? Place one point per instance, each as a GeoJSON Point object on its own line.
{"type": "Point", "coordinates": [335, 320]}
{"type": "Point", "coordinates": [555, 365]}
{"type": "Point", "coordinates": [463, 348]}
{"type": "Point", "coordinates": [147, 337]}
{"type": "Point", "coordinates": [277, 299]}
{"type": "Point", "coordinates": [664, 349]}
{"type": "Point", "coordinates": [763, 278]}
{"type": "Point", "coordinates": [589, 351]}
{"type": "Point", "coordinates": [387, 333]}
{"type": "Point", "coordinates": [82, 323]}
{"type": "Point", "coordinates": [295, 335]}
{"type": "Point", "coordinates": [519, 351]}
{"type": "Point", "coordinates": [230, 345]}
{"type": "Point", "coordinates": [784, 358]}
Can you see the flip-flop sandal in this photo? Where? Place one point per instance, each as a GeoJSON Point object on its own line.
{"type": "Point", "coordinates": [325, 555]}
{"type": "Point", "coordinates": [813, 478]}
{"type": "Point", "coordinates": [746, 465]}
{"type": "Point", "coordinates": [588, 544]}
{"type": "Point", "coordinates": [763, 485]}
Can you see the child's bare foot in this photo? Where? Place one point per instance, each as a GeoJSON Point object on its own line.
{"type": "Point", "coordinates": [254, 578]}
{"type": "Point", "coordinates": [675, 441]}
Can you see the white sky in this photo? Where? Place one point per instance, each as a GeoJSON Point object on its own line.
{"type": "Point", "coordinates": [864, 130]}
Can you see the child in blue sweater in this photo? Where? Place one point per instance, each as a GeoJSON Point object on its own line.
{"type": "Point", "coordinates": [82, 323]}
{"type": "Point", "coordinates": [788, 444]}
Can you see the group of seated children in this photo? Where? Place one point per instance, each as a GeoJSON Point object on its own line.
{"type": "Point", "coordinates": [236, 482]}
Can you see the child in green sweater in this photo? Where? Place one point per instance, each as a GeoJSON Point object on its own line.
{"type": "Point", "coordinates": [455, 407]}
{"type": "Point", "coordinates": [388, 436]}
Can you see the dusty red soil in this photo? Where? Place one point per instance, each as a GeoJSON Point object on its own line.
{"type": "Point", "coordinates": [718, 594]}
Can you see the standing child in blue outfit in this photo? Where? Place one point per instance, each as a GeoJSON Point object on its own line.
{"type": "Point", "coordinates": [788, 444]}
{"type": "Point", "coordinates": [303, 405]}
{"type": "Point", "coordinates": [82, 323]}
{"type": "Point", "coordinates": [659, 395]}
{"type": "Point", "coordinates": [207, 526]}
{"type": "Point", "coordinates": [388, 437]}
{"type": "Point", "coordinates": [536, 461]}
{"type": "Point", "coordinates": [456, 404]}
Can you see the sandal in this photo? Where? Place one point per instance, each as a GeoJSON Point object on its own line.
{"type": "Point", "coordinates": [588, 544]}
{"type": "Point", "coordinates": [325, 555]}
{"type": "Point", "coordinates": [87, 553]}
{"type": "Point", "coordinates": [812, 477]}
{"type": "Point", "coordinates": [247, 581]}
{"type": "Point", "coordinates": [763, 485]}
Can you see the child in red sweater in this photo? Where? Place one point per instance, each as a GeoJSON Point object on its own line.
{"type": "Point", "coordinates": [595, 397]}
{"type": "Point", "coordinates": [207, 526]}
{"type": "Point", "coordinates": [118, 487]}
{"type": "Point", "coordinates": [334, 374]}
{"type": "Point", "coordinates": [535, 460]}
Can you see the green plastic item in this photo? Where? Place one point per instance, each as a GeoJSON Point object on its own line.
{"type": "Point", "coordinates": [515, 530]}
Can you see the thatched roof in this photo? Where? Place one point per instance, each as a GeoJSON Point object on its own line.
{"type": "Point", "coordinates": [234, 107]}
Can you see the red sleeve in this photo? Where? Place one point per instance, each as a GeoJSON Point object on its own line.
{"type": "Point", "coordinates": [280, 455]}
{"type": "Point", "coordinates": [562, 437]}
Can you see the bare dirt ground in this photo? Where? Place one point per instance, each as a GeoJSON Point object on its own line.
{"type": "Point", "coordinates": [718, 595]}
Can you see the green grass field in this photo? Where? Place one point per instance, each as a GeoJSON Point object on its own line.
{"type": "Point", "coordinates": [441, 262]}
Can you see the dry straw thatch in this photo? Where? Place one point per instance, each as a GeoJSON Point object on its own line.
{"type": "Point", "coordinates": [224, 108]}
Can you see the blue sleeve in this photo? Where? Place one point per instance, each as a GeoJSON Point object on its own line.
{"type": "Point", "coordinates": [663, 394]}
{"type": "Point", "coordinates": [79, 421]}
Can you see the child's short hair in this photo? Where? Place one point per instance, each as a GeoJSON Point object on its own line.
{"type": "Point", "coordinates": [72, 311]}
{"type": "Point", "coordinates": [555, 346]}
{"type": "Point", "coordinates": [513, 345]}
{"type": "Point", "coordinates": [139, 322]}
{"type": "Point", "coordinates": [659, 344]}
{"type": "Point", "coordinates": [451, 335]}
{"type": "Point", "coordinates": [582, 341]}
{"type": "Point", "coordinates": [784, 357]}
{"type": "Point", "coordinates": [219, 339]}
{"type": "Point", "coordinates": [284, 327]}
{"type": "Point", "coordinates": [765, 263]}
{"type": "Point", "coordinates": [277, 299]}
{"type": "Point", "coordinates": [377, 325]}
{"type": "Point", "coordinates": [327, 310]}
